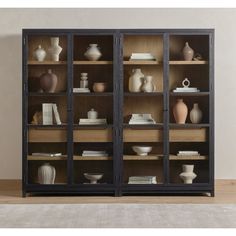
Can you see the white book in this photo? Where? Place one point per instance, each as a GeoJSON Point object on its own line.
{"type": "Point", "coordinates": [95, 155]}
{"type": "Point", "coordinates": [93, 152]}
{"type": "Point", "coordinates": [46, 154]}
{"type": "Point", "coordinates": [47, 114]}
{"type": "Point", "coordinates": [56, 114]}
{"type": "Point", "coordinates": [188, 152]}
{"type": "Point", "coordinates": [92, 121]}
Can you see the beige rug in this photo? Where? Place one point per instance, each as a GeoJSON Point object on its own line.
{"type": "Point", "coordinates": [117, 215]}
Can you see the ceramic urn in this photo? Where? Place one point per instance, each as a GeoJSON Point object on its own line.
{"type": "Point", "coordinates": [48, 82]}
{"type": "Point", "coordinates": [46, 174]}
{"type": "Point", "coordinates": [195, 114]}
{"type": "Point", "coordinates": [136, 81]}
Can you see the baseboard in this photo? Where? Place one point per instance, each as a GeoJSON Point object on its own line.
{"type": "Point", "coordinates": [15, 184]}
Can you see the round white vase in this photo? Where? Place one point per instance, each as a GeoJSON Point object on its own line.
{"type": "Point", "coordinates": [188, 175]}
{"type": "Point", "coordinates": [46, 174]}
{"type": "Point", "coordinates": [136, 81]}
{"type": "Point", "coordinates": [55, 49]}
{"type": "Point", "coordinates": [93, 53]}
{"type": "Point", "coordinates": [40, 53]}
{"type": "Point", "coordinates": [195, 114]}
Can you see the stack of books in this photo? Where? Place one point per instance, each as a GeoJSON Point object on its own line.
{"type": "Point", "coordinates": [186, 90]}
{"type": "Point", "coordinates": [86, 153]}
{"type": "Point", "coordinates": [188, 153]}
{"type": "Point", "coordinates": [48, 110]}
{"type": "Point", "coordinates": [81, 90]}
{"type": "Point", "coordinates": [140, 119]}
{"type": "Point", "coordinates": [92, 121]}
{"type": "Point", "coordinates": [47, 154]}
{"type": "Point", "coordinates": [142, 180]}
{"type": "Point", "coordinates": [142, 56]}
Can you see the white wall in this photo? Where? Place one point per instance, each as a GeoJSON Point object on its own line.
{"type": "Point", "coordinates": [13, 20]}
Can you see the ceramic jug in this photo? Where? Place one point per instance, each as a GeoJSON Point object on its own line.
{"type": "Point", "coordinates": [93, 53]}
{"type": "Point", "coordinates": [180, 111]}
{"type": "Point", "coordinates": [136, 80]}
{"type": "Point", "coordinates": [148, 85]}
{"type": "Point", "coordinates": [46, 174]}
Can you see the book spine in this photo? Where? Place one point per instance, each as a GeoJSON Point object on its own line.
{"type": "Point", "coordinates": [56, 114]}
{"type": "Point", "coordinates": [47, 114]}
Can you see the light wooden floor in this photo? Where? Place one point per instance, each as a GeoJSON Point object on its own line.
{"type": "Point", "coordinates": [10, 192]}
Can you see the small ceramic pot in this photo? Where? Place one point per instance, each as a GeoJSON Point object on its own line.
{"type": "Point", "coordinates": [40, 53]}
{"type": "Point", "coordinates": [93, 53]}
{"type": "Point", "coordinates": [99, 87]}
{"type": "Point", "coordinates": [92, 114]}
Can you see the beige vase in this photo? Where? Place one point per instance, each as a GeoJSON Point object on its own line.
{"type": "Point", "coordinates": [188, 52]}
{"type": "Point", "coordinates": [180, 111]}
{"type": "Point", "coordinates": [48, 82]}
{"type": "Point", "coordinates": [195, 114]}
{"type": "Point", "coordinates": [136, 81]}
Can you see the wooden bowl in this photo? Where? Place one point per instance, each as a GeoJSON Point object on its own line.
{"type": "Point", "coordinates": [99, 87]}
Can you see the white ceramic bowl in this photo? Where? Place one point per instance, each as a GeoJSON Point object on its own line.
{"type": "Point", "coordinates": [142, 150]}
{"type": "Point", "coordinates": [93, 177]}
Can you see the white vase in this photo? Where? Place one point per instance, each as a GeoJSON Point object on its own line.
{"type": "Point", "coordinates": [46, 174]}
{"type": "Point", "coordinates": [93, 53]}
{"type": "Point", "coordinates": [136, 81]}
{"type": "Point", "coordinates": [92, 114]}
{"type": "Point", "coordinates": [84, 80]}
{"type": "Point", "coordinates": [40, 53]}
{"type": "Point", "coordinates": [195, 114]}
{"type": "Point", "coordinates": [148, 85]}
{"type": "Point", "coordinates": [188, 175]}
{"type": "Point", "coordinates": [55, 49]}
{"type": "Point", "coordinates": [188, 52]}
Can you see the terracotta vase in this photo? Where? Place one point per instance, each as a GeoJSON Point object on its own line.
{"type": "Point", "coordinates": [188, 52]}
{"type": "Point", "coordinates": [180, 111]}
{"type": "Point", "coordinates": [39, 53]}
{"type": "Point", "coordinates": [55, 49]}
{"type": "Point", "coordinates": [148, 85]}
{"type": "Point", "coordinates": [93, 53]}
{"type": "Point", "coordinates": [46, 174]}
{"type": "Point", "coordinates": [195, 114]}
{"type": "Point", "coordinates": [136, 81]}
{"type": "Point", "coordinates": [188, 175]}
{"type": "Point", "coordinates": [48, 82]}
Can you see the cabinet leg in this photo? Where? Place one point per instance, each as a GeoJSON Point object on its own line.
{"type": "Point", "coordinates": [213, 193]}
{"type": "Point", "coordinates": [118, 193]}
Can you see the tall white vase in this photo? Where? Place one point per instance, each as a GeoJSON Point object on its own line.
{"type": "Point", "coordinates": [46, 174]}
{"type": "Point", "coordinates": [188, 52]}
{"type": "Point", "coordinates": [195, 114]}
{"type": "Point", "coordinates": [136, 81]}
{"type": "Point", "coordinates": [188, 175]}
{"type": "Point", "coordinates": [55, 49]}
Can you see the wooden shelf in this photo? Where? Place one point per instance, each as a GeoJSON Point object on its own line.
{"type": "Point", "coordinates": [143, 126]}
{"type": "Point", "coordinates": [87, 158]}
{"type": "Point", "coordinates": [173, 125]}
{"type": "Point", "coordinates": [43, 158]}
{"type": "Point", "coordinates": [92, 126]}
{"type": "Point", "coordinates": [47, 63]}
{"type": "Point", "coordinates": [194, 94]}
{"type": "Point", "coordinates": [37, 94]}
{"type": "Point", "coordinates": [142, 158]}
{"type": "Point", "coordinates": [47, 126]}
{"type": "Point", "coordinates": [93, 94]}
{"type": "Point", "coordinates": [92, 62]}
{"type": "Point", "coordinates": [141, 62]}
{"type": "Point", "coordinates": [188, 62]}
{"type": "Point", "coordinates": [143, 94]}
{"type": "Point", "coordinates": [185, 158]}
